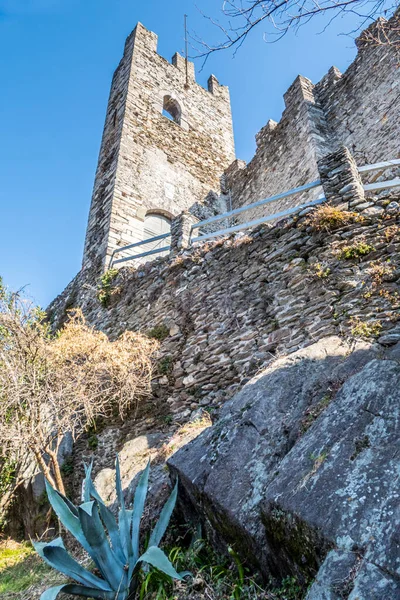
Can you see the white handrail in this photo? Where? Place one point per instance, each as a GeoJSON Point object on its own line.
{"type": "Point", "coordinates": [368, 187]}
{"type": "Point", "coordinates": [264, 219]}
{"type": "Point", "coordinates": [378, 166]}
{"type": "Point", "coordinates": [237, 211]}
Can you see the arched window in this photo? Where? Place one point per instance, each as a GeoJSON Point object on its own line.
{"type": "Point", "coordinates": [156, 224]}
{"type": "Point", "coordinates": [171, 109]}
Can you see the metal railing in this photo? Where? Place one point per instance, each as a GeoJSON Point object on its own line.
{"type": "Point", "coordinates": [141, 254]}
{"type": "Point", "coordinates": [309, 186]}
{"type": "Point", "coordinates": [264, 219]}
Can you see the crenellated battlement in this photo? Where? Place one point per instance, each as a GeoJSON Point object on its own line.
{"type": "Point", "coordinates": [166, 142]}
{"type": "Point", "coordinates": [358, 109]}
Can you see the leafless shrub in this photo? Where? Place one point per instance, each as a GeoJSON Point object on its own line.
{"type": "Point", "coordinates": [54, 385]}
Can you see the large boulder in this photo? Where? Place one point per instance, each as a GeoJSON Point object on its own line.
{"type": "Point", "coordinates": [303, 467]}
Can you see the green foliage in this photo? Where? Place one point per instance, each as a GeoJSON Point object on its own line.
{"type": "Point", "coordinates": [215, 577]}
{"type": "Point", "coordinates": [226, 577]}
{"type": "Point", "coordinates": [93, 441]}
{"type": "Point", "coordinates": [7, 475]}
{"type": "Point", "coordinates": [289, 590]}
{"type": "Point", "coordinates": [356, 250]}
{"type": "Point", "coordinates": [165, 365]}
{"type": "Point", "coordinates": [68, 466]}
{"type": "Point", "coordinates": [159, 332]}
{"type": "Point", "coordinates": [365, 329]}
{"type": "Point", "coordinates": [320, 271]}
{"type": "Point", "coordinates": [106, 287]}
{"type": "Point", "coordinates": [20, 568]}
{"type": "Point", "coordinates": [113, 546]}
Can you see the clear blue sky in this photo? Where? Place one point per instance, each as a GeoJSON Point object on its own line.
{"type": "Point", "coordinates": [57, 60]}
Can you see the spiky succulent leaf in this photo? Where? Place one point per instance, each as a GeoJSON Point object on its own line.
{"type": "Point", "coordinates": [105, 558]}
{"type": "Point", "coordinates": [138, 506]}
{"type": "Point", "coordinates": [60, 560]}
{"type": "Point", "coordinates": [62, 508]}
{"type": "Point", "coordinates": [93, 493]}
{"type": "Point", "coordinates": [124, 521]}
{"type": "Point", "coordinates": [165, 516]}
{"type": "Point", "coordinates": [111, 525]}
{"type": "Point", "coordinates": [80, 590]}
{"type": "Point", "coordinates": [155, 556]}
{"type": "Point", "coordinates": [39, 546]}
{"type": "Point", "coordinates": [106, 515]}
{"type": "Point", "coordinates": [86, 482]}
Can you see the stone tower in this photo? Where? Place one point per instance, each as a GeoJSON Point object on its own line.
{"type": "Point", "coordinates": [165, 144]}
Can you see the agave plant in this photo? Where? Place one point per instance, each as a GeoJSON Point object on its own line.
{"type": "Point", "coordinates": [112, 545]}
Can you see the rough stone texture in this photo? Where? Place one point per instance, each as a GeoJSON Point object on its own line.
{"type": "Point", "coordinates": [148, 162]}
{"type": "Point", "coordinates": [231, 306]}
{"type": "Point", "coordinates": [358, 109]}
{"type": "Point", "coordinates": [311, 444]}
{"type": "Point", "coordinates": [181, 228]}
{"type": "Point", "coordinates": [286, 155]}
{"type": "Point", "coordinates": [345, 575]}
{"type": "Point", "coordinates": [340, 178]}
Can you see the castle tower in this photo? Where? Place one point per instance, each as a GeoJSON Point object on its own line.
{"type": "Point", "coordinates": [166, 142]}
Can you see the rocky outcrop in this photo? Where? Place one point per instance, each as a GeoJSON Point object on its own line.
{"type": "Point", "coordinates": [300, 473]}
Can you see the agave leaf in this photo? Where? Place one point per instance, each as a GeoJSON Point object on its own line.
{"type": "Point", "coordinates": [39, 546]}
{"type": "Point", "coordinates": [79, 590]}
{"type": "Point", "coordinates": [111, 525]}
{"type": "Point", "coordinates": [156, 557]}
{"type": "Point", "coordinates": [106, 516]}
{"type": "Point", "coordinates": [87, 507]}
{"type": "Point", "coordinates": [165, 516]}
{"type": "Point", "coordinates": [105, 558]}
{"type": "Point", "coordinates": [60, 560]}
{"type": "Point", "coordinates": [61, 507]}
{"type": "Point", "coordinates": [86, 482]}
{"type": "Point", "coordinates": [94, 493]}
{"type": "Point", "coordinates": [124, 521]}
{"type": "Point", "coordinates": [138, 506]}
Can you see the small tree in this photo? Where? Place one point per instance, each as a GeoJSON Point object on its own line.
{"type": "Point", "coordinates": [51, 385]}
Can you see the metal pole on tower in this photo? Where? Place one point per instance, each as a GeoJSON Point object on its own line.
{"type": "Point", "coordinates": [186, 53]}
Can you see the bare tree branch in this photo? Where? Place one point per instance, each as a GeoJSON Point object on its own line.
{"type": "Point", "coordinates": [240, 17]}
{"type": "Point", "coordinates": [54, 385]}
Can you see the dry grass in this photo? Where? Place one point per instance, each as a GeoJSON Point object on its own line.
{"type": "Point", "coordinates": [184, 434]}
{"type": "Point", "coordinates": [328, 218]}
{"type": "Point", "coordinates": [364, 329]}
{"type": "Point", "coordinates": [242, 240]}
{"type": "Point", "coordinates": [379, 271]}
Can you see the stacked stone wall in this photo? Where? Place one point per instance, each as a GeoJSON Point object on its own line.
{"type": "Point", "coordinates": [224, 309]}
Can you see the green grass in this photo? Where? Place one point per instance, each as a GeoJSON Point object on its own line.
{"type": "Point", "coordinates": [20, 567]}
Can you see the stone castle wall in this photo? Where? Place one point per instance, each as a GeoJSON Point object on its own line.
{"type": "Point", "coordinates": [226, 308]}
{"type": "Point", "coordinates": [148, 162]}
{"type": "Point", "coordinates": [359, 109]}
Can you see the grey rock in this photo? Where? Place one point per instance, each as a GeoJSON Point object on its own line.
{"type": "Point", "coordinates": [301, 461]}
{"type": "Point", "coordinates": [389, 339]}
{"type": "Point", "coordinates": [373, 583]}
{"type": "Point", "coordinates": [335, 579]}
{"type": "Point", "coordinates": [393, 207]}
{"type": "Point", "coordinates": [347, 575]}
{"type": "Point", "coordinates": [372, 211]}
